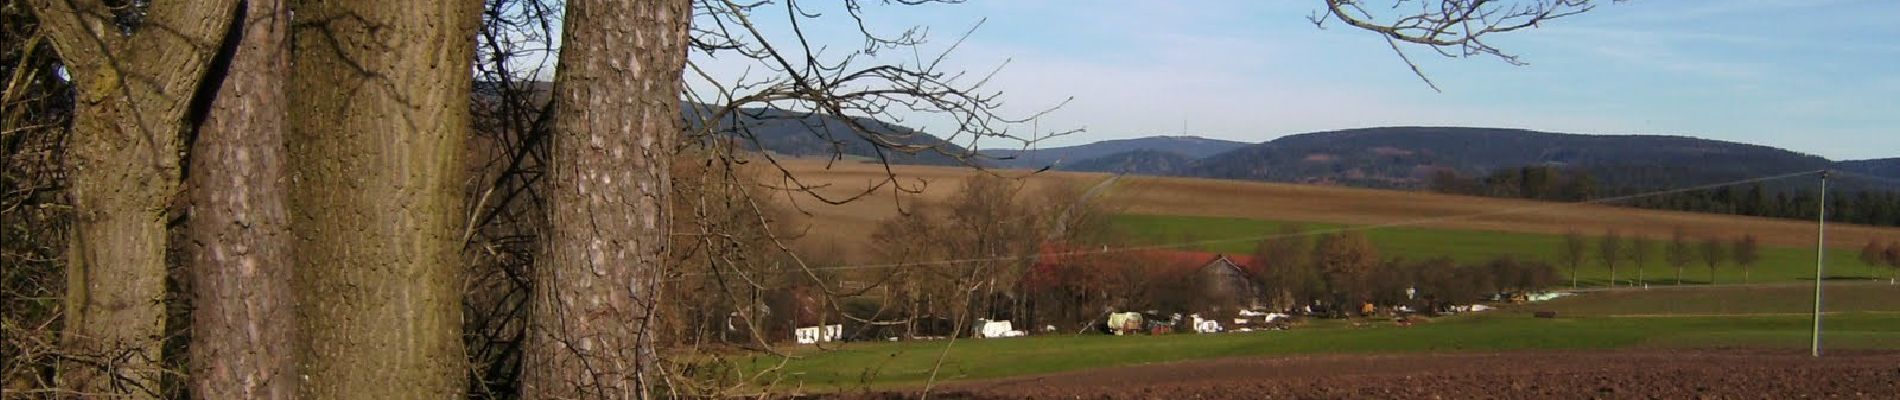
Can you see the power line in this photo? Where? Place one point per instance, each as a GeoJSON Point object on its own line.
{"type": "Point", "coordinates": [1316, 232]}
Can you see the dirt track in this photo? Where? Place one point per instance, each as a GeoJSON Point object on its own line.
{"type": "Point", "coordinates": [1671, 374]}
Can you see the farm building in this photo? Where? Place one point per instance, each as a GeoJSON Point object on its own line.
{"type": "Point", "coordinates": [1185, 281]}
{"type": "Point", "coordinates": [1227, 287]}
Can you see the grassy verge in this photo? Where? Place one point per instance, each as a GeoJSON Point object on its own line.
{"type": "Point", "coordinates": [1778, 264]}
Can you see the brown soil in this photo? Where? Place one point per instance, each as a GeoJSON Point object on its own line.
{"type": "Point", "coordinates": [1662, 374]}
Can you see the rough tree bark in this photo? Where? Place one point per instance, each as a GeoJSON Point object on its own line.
{"type": "Point", "coordinates": [135, 93]}
{"type": "Point", "coordinates": [242, 325]}
{"type": "Point", "coordinates": [380, 92]}
{"type": "Point", "coordinates": [617, 99]}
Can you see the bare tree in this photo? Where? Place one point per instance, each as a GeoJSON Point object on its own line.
{"type": "Point", "coordinates": [506, 194]}
{"type": "Point", "coordinates": [1288, 272]}
{"type": "Point", "coordinates": [1573, 253]}
{"type": "Point", "coordinates": [988, 219]}
{"type": "Point", "coordinates": [1610, 250]}
{"type": "Point", "coordinates": [1892, 256]}
{"type": "Point", "coordinates": [727, 281]}
{"type": "Point", "coordinates": [1346, 260]}
{"type": "Point", "coordinates": [134, 78]}
{"type": "Point", "coordinates": [35, 112]}
{"type": "Point", "coordinates": [985, 222]}
{"type": "Point", "coordinates": [1713, 254]}
{"type": "Point", "coordinates": [1679, 253]}
{"type": "Point", "coordinates": [1641, 248]}
{"type": "Point", "coordinates": [844, 92]}
{"type": "Point", "coordinates": [243, 328]}
{"type": "Point", "coordinates": [1067, 289]}
{"type": "Point", "coordinates": [907, 238]}
{"type": "Point", "coordinates": [1873, 254]}
{"type": "Point", "coordinates": [1451, 28]}
{"type": "Point", "coordinates": [1746, 251]}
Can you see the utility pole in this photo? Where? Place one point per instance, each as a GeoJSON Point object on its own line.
{"type": "Point", "coordinates": [1820, 259]}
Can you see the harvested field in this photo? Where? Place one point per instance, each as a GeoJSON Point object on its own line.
{"type": "Point", "coordinates": [849, 224]}
{"type": "Point", "coordinates": [1673, 374]}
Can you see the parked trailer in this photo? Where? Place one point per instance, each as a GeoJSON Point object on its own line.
{"type": "Point", "coordinates": [1124, 323]}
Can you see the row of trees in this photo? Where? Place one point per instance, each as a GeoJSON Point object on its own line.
{"type": "Point", "coordinates": [1345, 269]}
{"type": "Point", "coordinates": [1051, 258]}
{"type": "Point", "coordinates": [1613, 249]}
{"type": "Point", "coordinates": [988, 221]}
{"type": "Point", "coordinates": [1870, 207]}
{"type": "Point", "coordinates": [1330, 274]}
{"type": "Point", "coordinates": [1680, 251]}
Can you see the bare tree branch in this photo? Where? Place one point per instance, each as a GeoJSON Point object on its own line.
{"type": "Point", "coordinates": [1452, 28]}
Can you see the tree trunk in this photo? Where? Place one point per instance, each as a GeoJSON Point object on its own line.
{"type": "Point", "coordinates": [243, 328]}
{"type": "Point", "coordinates": [1612, 275]}
{"type": "Point", "coordinates": [134, 94]}
{"type": "Point", "coordinates": [115, 276]}
{"type": "Point", "coordinates": [617, 99]}
{"type": "Point", "coordinates": [380, 90]}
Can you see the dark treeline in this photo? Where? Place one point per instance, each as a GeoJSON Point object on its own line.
{"type": "Point", "coordinates": [1860, 206]}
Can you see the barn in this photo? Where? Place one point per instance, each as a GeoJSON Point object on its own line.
{"type": "Point", "coordinates": [1210, 284]}
{"type": "Point", "coordinates": [1226, 287]}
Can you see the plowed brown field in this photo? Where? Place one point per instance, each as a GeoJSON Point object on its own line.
{"type": "Point", "coordinates": [1660, 374]}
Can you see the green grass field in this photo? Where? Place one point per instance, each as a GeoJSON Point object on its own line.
{"type": "Point", "coordinates": [906, 364]}
{"type": "Point", "coordinates": [1777, 264]}
{"type": "Point", "coordinates": [1876, 297]}
{"type": "Point", "coordinates": [1862, 316]}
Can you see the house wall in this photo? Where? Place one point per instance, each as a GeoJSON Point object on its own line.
{"type": "Point", "coordinates": [1225, 289]}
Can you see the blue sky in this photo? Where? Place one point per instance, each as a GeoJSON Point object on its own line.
{"type": "Point", "coordinates": [1820, 77]}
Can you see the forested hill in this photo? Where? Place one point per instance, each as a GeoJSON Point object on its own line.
{"type": "Point", "coordinates": [804, 134]}
{"type": "Point", "coordinates": [1569, 167]}
{"type": "Point", "coordinates": [1409, 157]}
{"type": "Point", "coordinates": [788, 132]}
{"type": "Point", "coordinates": [1143, 162]}
{"type": "Point", "coordinates": [1103, 156]}
{"type": "Point", "coordinates": [1882, 167]}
